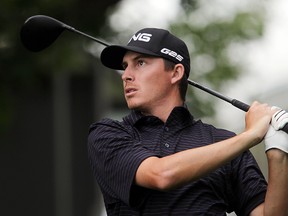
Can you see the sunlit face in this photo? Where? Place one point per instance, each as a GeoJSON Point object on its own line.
{"type": "Point", "coordinates": [146, 83]}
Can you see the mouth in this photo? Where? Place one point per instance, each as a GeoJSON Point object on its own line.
{"type": "Point", "coordinates": [130, 91]}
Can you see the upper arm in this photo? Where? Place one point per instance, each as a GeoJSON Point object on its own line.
{"type": "Point", "coordinates": [155, 173]}
{"type": "Point", "coordinates": [258, 211]}
{"type": "Point", "coordinates": [148, 173]}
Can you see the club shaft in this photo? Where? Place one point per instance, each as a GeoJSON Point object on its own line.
{"type": "Point", "coordinates": [86, 35]}
{"type": "Point", "coordinates": [239, 104]}
{"type": "Point", "coordinates": [234, 102]}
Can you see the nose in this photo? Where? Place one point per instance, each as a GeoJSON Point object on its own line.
{"type": "Point", "coordinates": [127, 75]}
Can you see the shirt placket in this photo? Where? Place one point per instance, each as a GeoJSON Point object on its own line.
{"type": "Point", "coordinates": [168, 142]}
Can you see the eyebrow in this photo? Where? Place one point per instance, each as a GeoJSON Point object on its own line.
{"type": "Point", "coordinates": [139, 56]}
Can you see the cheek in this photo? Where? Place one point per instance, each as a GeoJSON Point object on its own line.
{"type": "Point", "coordinates": [154, 80]}
{"type": "Point", "coordinates": [152, 84]}
{"type": "Point", "coordinates": [157, 87]}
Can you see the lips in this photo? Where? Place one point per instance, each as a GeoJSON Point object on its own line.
{"type": "Point", "coordinates": [130, 91]}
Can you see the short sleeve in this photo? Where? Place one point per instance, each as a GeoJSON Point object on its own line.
{"type": "Point", "coordinates": [115, 154]}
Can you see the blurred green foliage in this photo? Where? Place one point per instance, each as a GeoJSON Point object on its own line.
{"type": "Point", "coordinates": [209, 44]}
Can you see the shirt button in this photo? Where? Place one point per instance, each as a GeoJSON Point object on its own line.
{"type": "Point", "coordinates": [167, 145]}
{"type": "Point", "coordinates": [166, 129]}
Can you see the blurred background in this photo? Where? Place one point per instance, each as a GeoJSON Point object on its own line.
{"type": "Point", "coordinates": [49, 99]}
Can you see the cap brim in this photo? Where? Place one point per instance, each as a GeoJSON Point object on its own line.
{"type": "Point", "coordinates": [112, 56]}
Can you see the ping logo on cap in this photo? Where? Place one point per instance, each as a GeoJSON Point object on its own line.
{"type": "Point", "coordinates": [145, 37]}
{"type": "Point", "coordinates": [172, 53]}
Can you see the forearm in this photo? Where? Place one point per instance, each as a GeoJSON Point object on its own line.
{"type": "Point", "coordinates": [186, 166]}
{"type": "Point", "coordinates": [276, 201]}
{"type": "Point", "coordinates": [197, 163]}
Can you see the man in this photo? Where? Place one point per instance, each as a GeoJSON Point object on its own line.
{"type": "Point", "coordinates": [161, 161]}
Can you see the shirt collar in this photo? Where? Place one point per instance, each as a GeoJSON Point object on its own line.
{"type": "Point", "coordinates": [178, 114]}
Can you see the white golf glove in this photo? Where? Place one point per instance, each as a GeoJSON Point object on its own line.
{"type": "Point", "coordinates": [279, 119]}
{"type": "Point", "coordinates": [276, 139]}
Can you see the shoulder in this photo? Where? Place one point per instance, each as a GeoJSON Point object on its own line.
{"type": "Point", "coordinates": [109, 127]}
{"type": "Point", "coordinates": [216, 132]}
{"type": "Point", "coordinates": [105, 123]}
{"type": "Point", "coordinates": [112, 131]}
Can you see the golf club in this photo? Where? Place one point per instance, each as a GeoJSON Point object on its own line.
{"type": "Point", "coordinates": [40, 31]}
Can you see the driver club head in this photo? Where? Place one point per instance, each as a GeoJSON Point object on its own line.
{"type": "Point", "coordinates": [40, 31]}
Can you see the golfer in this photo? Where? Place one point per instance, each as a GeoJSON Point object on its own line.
{"type": "Point", "coordinates": [160, 160]}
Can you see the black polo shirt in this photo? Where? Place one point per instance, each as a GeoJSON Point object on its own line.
{"type": "Point", "coordinates": [116, 149]}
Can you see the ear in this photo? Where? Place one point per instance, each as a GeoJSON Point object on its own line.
{"type": "Point", "coordinates": [178, 73]}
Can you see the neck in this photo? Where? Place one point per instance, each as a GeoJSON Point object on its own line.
{"type": "Point", "coordinates": [163, 110]}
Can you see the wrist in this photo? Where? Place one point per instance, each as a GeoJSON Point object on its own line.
{"type": "Point", "coordinates": [255, 136]}
{"type": "Point", "coordinates": [276, 155]}
{"type": "Point", "coordinates": [251, 138]}
{"type": "Point", "coordinates": [277, 163]}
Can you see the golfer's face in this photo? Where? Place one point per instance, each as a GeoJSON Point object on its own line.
{"type": "Point", "coordinates": [145, 81]}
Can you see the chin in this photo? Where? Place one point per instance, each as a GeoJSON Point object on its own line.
{"type": "Point", "coordinates": [133, 105]}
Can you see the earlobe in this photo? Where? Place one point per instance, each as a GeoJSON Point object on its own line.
{"type": "Point", "coordinates": [178, 73]}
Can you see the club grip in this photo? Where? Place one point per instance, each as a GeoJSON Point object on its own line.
{"type": "Point", "coordinates": [285, 128]}
{"type": "Point", "coordinates": [245, 107]}
{"type": "Point", "coordinates": [239, 104]}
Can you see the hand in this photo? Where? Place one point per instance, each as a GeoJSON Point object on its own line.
{"type": "Point", "coordinates": [258, 119]}
{"type": "Point", "coordinates": [276, 139]}
{"type": "Point", "coordinates": [279, 119]}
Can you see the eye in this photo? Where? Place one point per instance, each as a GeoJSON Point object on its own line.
{"type": "Point", "coordinates": [124, 65]}
{"type": "Point", "coordinates": [141, 62]}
